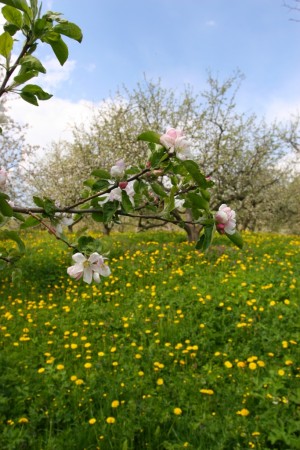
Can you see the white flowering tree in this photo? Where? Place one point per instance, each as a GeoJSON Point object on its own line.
{"type": "Point", "coordinates": [111, 194]}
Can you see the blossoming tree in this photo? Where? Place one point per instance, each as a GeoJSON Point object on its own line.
{"type": "Point", "coordinates": [111, 194]}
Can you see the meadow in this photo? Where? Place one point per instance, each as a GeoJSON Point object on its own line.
{"type": "Point", "coordinates": [176, 349]}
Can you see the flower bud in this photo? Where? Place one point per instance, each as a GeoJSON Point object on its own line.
{"type": "Point", "coordinates": [123, 184]}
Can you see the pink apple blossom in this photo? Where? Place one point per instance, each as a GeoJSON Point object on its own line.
{"type": "Point", "coordinates": [225, 219]}
{"type": "Point", "coordinates": [175, 141]}
{"type": "Point", "coordinates": [90, 268]}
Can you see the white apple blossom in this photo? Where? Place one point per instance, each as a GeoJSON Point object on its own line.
{"type": "Point", "coordinates": [225, 219]}
{"type": "Point", "coordinates": [116, 194]}
{"type": "Point", "coordinates": [90, 268]}
{"type": "Point", "coordinates": [175, 141]}
{"type": "Point", "coordinates": [179, 204]}
{"type": "Point", "coordinates": [118, 170]}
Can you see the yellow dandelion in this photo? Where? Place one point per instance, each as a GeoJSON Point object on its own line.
{"type": "Point", "coordinates": [92, 421]}
{"type": "Point", "coordinates": [228, 364]}
{"type": "Point", "coordinates": [243, 412]}
{"type": "Point", "coordinates": [41, 370]}
{"type": "Point", "coordinates": [207, 391]}
{"type": "Point", "coordinates": [60, 367]}
{"type": "Point", "coordinates": [88, 365]}
{"type": "Point", "coordinates": [110, 420]}
{"type": "Point", "coordinates": [23, 420]}
{"type": "Point", "coordinates": [115, 403]}
{"type": "Point", "coordinates": [177, 411]}
{"type": "Point", "coordinates": [73, 378]}
{"type": "Point", "coordinates": [252, 366]}
{"type": "Point", "coordinates": [79, 382]}
{"type": "Point", "coordinates": [160, 382]}
{"type": "Point", "coordinates": [281, 372]}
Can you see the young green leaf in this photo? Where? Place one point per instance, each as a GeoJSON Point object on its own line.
{"type": "Point", "coordinates": [159, 190]}
{"type": "Point", "coordinates": [29, 98]}
{"type": "Point", "coordinates": [236, 238]}
{"type": "Point", "coordinates": [58, 46]}
{"type": "Point", "coordinates": [100, 173]}
{"type": "Point", "coordinates": [70, 30]}
{"type": "Point", "coordinates": [197, 201]}
{"type": "Point", "coordinates": [32, 63]}
{"type": "Point", "coordinates": [206, 238]}
{"type": "Point", "coordinates": [13, 16]}
{"type": "Point", "coordinates": [126, 203]}
{"type": "Point", "coordinates": [29, 222]}
{"type": "Point", "coordinates": [37, 91]}
{"type": "Point", "coordinates": [149, 136]}
{"type": "Point", "coordinates": [6, 44]}
{"type": "Point", "coordinates": [18, 4]}
{"type": "Point", "coordinates": [194, 171]}
{"type": "Point", "coordinates": [5, 208]}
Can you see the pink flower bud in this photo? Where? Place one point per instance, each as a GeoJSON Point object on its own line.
{"type": "Point", "coordinates": [220, 227]}
{"type": "Point", "coordinates": [123, 184]}
{"type": "Point", "coordinates": [225, 220]}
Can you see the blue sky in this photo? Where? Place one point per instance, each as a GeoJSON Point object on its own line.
{"type": "Point", "coordinates": [178, 41]}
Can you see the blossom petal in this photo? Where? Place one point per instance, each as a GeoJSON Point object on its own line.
{"type": "Point", "coordinates": [88, 275]}
{"type": "Point", "coordinates": [79, 258]}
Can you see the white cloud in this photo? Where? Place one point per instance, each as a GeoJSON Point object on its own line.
{"type": "Point", "coordinates": [56, 74]}
{"type": "Point", "coordinates": [52, 120]}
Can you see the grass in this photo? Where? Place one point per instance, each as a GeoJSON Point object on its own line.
{"type": "Point", "coordinates": [176, 349]}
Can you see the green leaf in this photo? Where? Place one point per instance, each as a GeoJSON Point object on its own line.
{"type": "Point", "coordinates": [157, 157]}
{"type": "Point", "coordinates": [126, 203]}
{"type": "Point", "coordinates": [29, 98]}
{"type": "Point", "coordinates": [159, 190]}
{"type": "Point", "coordinates": [37, 91]}
{"type": "Point", "coordinates": [10, 28]}
{"type": "Point", "coordinates": [30, 222]}
{"type": "Point", "coordinates": [6, 44]}
{"type": "Point", "coordinates": [109, 210]}
{"type": "Point", "coordinates": [49, 206]}
{"type": "Point", "coordinates": [149, 136]}
{"type": "Point", "coordinates": [236, 238]}
{"type": "Point", "coordinates": [5, 208]}
{"type": "Point", "coordinates": [41, 26]}
{"type": "Point", "coordinates": [100, 173]}
{"type": "Point", "coordinates": [206, 238]}
{"type": "Point", "coordinates": [13, 16]}
{"type": "Point", "coordinates": [25, 75]}
{"type": "Point", "coordinates": [13, 236]}
{"type": "Point", "coordinates": [32, 63]}
{"type": "Point", "coordinates": [198, 201]}
{"type": "Point", "coordinates": [70, 30]}
{"type": "Point", "coordinates": [194, 171]}
{"type": "Point", "coordinates": [18, 4]}
{"type": "Point", "coordinates": [38, 201]}
{"type": "Point", "coordinates": [18, 216]}
{"type": "Point", "coordinates": [58, 46]}
{"type": "Point", "coordinates": [100, 185]}
{"type": "Point", "coordinates": [98, 216]}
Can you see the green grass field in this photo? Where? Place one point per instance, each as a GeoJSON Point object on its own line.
{"type": "Point", "coordinates": [176, 349]}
